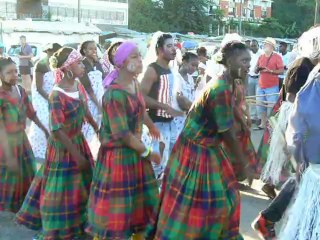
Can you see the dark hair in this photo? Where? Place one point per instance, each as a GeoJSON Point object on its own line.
{"type": "Point", "coordinates": [5, 61]}
{"type": "Point", "coordinates": [23, 36]}
{"type": "Point", "coordinates": [284, 44]}
{"type": "Point", "coordinates": [256, 41]}
{"type": "Point", "coordinates": [230, 50]}
{"type": "Point", "coordinates": [188, 56]}
{"type": "Point", "coordinates": [202, 51]}
{"type": "Point", "coordinates": [297, 74]}
{"type": "Point", "coordinates": [84, 45]}
{"type": "Point", "coordinates": [112, 51]}
{"type": "Point", "coordinates": [62, 55]}
{"type": "Point", "coordinates": [161, 40]}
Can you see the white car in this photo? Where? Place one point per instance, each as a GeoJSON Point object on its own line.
{"type": "Point", "coordinates": [14, 52]}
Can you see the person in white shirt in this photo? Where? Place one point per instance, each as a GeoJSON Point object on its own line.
{"type": "Point", "coordinates": [286, 58]}
{"type": "Point", "coordinates": [253, 77]}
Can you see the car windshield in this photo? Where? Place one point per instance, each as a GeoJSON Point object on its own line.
{"type": "Point", "coordinates": [16, 49]}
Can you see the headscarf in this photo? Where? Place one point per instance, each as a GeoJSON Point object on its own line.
{"type": "Point", "coordinates": [73, 57]}
{"type": "Point", "coordinates": [122, 54]}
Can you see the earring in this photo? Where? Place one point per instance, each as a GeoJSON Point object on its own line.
{"type": "Point", "coordinates": [70, 74]}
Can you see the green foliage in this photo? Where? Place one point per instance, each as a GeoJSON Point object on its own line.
{"type": "Point", "coordinates": [168, 15]}
{"type": "Point", "coordinates": [296, 16]}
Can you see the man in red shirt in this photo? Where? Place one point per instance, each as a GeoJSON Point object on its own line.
{"type": "Point", "coordinates": [270, 66]}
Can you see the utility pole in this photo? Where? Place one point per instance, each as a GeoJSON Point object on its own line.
{"type": "Point", "coordinates": [240, 19]}
{"type": "Point", "coordinates": [317, 13]}
{"type": "Point", "coordinates": [79, 11]}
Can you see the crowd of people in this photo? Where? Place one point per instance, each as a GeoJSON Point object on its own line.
{"type": "Point", "coordinates": [140, 148]}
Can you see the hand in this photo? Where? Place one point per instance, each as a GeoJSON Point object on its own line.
{"type": "Point", "coordinates": [155, 158]}
{"type": "Point", "coordinates": [173, 112]}
{"type": "Point", "coordinates": [12, 165]}
{"type": "Point", "coordinates": [83, 163]}
{"type": "Point", "coordinates": [46, 133]}
{"type": "Point", "coordinates": [155, 133]}
{"type": "Point", "coordinates": [249, 122]}
{"type": "Point", "coordinates": [246, 129]}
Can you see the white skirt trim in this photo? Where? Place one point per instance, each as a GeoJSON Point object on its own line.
{"type": "Point", "coordinates": [304, 215]}
{"type": "Point", "coordinates": [277, 158]}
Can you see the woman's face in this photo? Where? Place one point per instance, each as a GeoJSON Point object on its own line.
{"type": "Point", "coordinates": [134, 62]}
{"type": "Point", "coordinates": [91, 51]}
{"type": "Point", "coordinates": [192, 65]}
{"type": "Point", "coordinates": [77, 69]}
{"type": "Point", "coordinates": [240, 64]}
{"type": "Point", "coordinates": [9, 74]}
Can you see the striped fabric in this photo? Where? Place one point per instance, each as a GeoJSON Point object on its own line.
{"type": "Point", "coordinates": [13, 113]}
{"type": "Point", "coordinates": [243, 137]}
{"type": "Point", "coordinates": [124, 191]}
{"type": "Point", "coordinates": [164, 95]}
{"type": "Point", "coordinates": [65, 188]}
{"type": "Point", "coordinates": [199, 199]}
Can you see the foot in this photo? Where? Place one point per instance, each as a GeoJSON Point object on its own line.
{"type": "Point", "coordinates": [269, 190]}
{"type": "Point", "coordinates": [264, 228]}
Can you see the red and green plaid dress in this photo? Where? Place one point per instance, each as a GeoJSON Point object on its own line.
{"type": "Point", "coordinates": [65, 188]}
{"type": "Point", "coordinates": [124, 191]}
{"type": "Point", "coordinates": [199, 199]}
{"type": "Point", "coordinates": [13, 114]}
{"type": "Point", "coordinates": [244, 138]}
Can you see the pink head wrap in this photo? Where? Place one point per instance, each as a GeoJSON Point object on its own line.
{"type": "Point", "coordinates": [122, 53]}
{"type": "Point", "coordinates": [74, 56]}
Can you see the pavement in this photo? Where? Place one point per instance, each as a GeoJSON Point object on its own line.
{"type": "Point", "coordinates": [253, 201]}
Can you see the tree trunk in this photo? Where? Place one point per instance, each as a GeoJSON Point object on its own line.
{"type": "Point", "coordinates": [317, 13]}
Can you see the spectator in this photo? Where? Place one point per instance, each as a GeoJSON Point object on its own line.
{"type": "Point", "coordinates": [25, 63]}
{"type": "Point", "coordinates": [253, 79]}
{"type": "Point", "coordinates": [269, 65]}
{"type": "Point", "coordinates": [248, 43]}
{"type": "Point", "coordinates": [202, 54]}
{"type": "Point", "coordinates": [287, 60]}
{"type": "Point", "coordinates": [2, 51]}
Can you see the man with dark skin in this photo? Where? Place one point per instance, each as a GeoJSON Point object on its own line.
{"type": "Point", "coordinates": [157, 87]}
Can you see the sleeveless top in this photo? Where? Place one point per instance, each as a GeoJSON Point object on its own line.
{"type": "Point", "coordinates": [162, 91]}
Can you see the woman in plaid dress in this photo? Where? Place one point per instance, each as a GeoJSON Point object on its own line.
{"type": "Point", "coordinates": [17, 162]}
{"type": "Point", "coordinates": [199, 199]}
{"type": "Point", "coordinates": [124, 190]}
{"type": "Point", "coordinates": [65, 179]}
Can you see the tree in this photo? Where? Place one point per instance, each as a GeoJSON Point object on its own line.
{"type": "Point", "coordinates": [169, 15]}
{"type": "Point", "coordinates": [297, 13]}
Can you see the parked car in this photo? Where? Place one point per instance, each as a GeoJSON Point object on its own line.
{"type": "Point", "coordinates": [14, 52]}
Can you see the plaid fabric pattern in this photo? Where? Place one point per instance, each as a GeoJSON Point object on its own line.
{"type": "Point", "coordinates": [199, 199]}
{"type": "Point", "coordinates": [124, 191]}
{"type": "Point", "coordinates": [244, 139]}
{"type": "Point", "coordinates": [29, 214]}
{"type": "Point", "coordinates": [65, 188]}
{"type": "Point", "coordinates": [14, 187]}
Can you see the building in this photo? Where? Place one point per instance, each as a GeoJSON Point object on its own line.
{"type": "Point", "coordinates": [99, 12]}
{"type": "Point", "coordinates": [250, 10]}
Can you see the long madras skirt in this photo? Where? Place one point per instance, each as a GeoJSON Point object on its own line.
{"type": "Point", "coordinates": [29, 214]}
{"type": "Point", "coordinates": [14, 187]}
{"type": "Point", "coordinates": [199, 199]}
{"type": "Point", "coordinates": [65, 191]}
{"type": "Point", "coordinates": [124, 194]}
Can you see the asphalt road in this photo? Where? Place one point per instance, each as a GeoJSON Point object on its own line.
{"type": "Point", "coordinates": [252, 202]}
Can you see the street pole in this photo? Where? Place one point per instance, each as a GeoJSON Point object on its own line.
{"type": "Point", "coordinates": [240, 19]}
{"type": "Point", "coordinates": [317, 13]}
{"type": "Point", "coordinates": [79, 11]}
